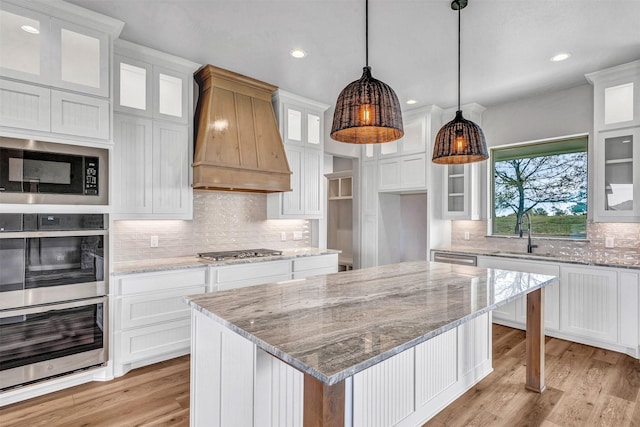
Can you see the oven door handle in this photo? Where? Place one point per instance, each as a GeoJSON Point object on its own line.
{"type": "Point", "coordinates": [48, 307]}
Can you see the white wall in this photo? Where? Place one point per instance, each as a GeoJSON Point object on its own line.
{"type": "Point", "coordinates": [548, 115]}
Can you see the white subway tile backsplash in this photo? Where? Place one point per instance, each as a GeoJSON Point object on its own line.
{"type": "Point", "coordinates": [221, 221]}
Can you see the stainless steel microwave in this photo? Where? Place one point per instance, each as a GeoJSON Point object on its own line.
{"type": "Point", "coordinates": [51, 173]}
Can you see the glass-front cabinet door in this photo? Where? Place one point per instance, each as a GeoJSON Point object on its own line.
{"type": "Point", "coordinates": [80, 58]}
{"type": "Point", "coordinates": [618, 175]}
{"type": "Point", "coordinates": [25, 38]}
{"type": "Point", "coordinates": [170, 95]}
{"type": "Point", "coordinates": [302, 126]}
{"type": "Point", "coordinates": [461, 195]}
{"type": "Point", "coordinates": [133, 92]}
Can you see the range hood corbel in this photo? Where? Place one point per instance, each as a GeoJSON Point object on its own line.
{"type": "Point", "coordinates": [238, 144]}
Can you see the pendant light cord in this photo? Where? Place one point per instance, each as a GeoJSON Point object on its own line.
{"type": "Point", "coordinates": [459, 15]}
{"type": "Point", "coordinates": [366, 31]}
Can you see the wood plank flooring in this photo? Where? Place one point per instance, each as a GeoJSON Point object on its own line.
{"type": "Point", "coordinates": [586, 386]}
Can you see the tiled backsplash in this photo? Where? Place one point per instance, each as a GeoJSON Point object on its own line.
{"type": "Point", "coordinates": [626, 237]}
{"type": "Point", "coordinates": [221, 221]}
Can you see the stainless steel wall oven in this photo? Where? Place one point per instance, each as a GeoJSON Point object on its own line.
{"type": "Point", "coordinates": [53, 295]}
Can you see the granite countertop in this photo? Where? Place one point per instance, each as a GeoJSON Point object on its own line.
{"type": "Point", "coordinates": [533, 257]}
{"type": "Point", "coordinates": [177, 263]}
{"type": "Point", "coordinates": [336, 325]}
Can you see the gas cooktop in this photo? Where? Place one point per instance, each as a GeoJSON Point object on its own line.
{"type": "Point", "coordinates": [244, 253]}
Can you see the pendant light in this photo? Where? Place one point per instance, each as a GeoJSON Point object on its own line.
{"type": "Point", "coordinates": [367, 110]}
{"type": "Point", "coordinates": [460, 140]}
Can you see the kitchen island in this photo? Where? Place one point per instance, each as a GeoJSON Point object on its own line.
{"type": "Point", "coordinates": [379, 346]}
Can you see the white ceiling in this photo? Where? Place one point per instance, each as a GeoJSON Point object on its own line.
{"type": "Point", "coordinates": [506, 44]}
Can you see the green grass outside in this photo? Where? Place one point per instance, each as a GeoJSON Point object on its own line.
{"type": "Point", "coordinates": [542, 225]}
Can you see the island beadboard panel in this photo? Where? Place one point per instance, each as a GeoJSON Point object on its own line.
{"type": "Point", "coordinates": [221, 221]}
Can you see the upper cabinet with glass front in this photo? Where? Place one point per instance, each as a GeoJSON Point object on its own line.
{"type": "Point", "coordinates": [616, 96]}
{"type": "Point", "coordinates": [56, 44]}
{"type": "Point", "coordinates": [150, 83]}
{"type": "Point", "coordinates": [616, 192]}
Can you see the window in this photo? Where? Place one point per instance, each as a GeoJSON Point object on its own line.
{"type": "Point", "coordinates": [546, 181]}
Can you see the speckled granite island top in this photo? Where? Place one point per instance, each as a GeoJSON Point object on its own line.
{"type": "Point", "coordinates": [334, 326]}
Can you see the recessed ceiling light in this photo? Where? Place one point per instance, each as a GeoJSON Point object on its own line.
{"type": "Point", "coordinates": [411, 101]}
{"type": "Point", "coordinates": [30, 29]}
{"type": "Point", "coordinates": [298, 53]}
{"type": "Point", "coordinates": [560, 56]}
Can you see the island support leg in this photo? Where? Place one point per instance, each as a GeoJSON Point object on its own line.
{"type": "Point", "coordinates": [535, 341]}
{"type": "Point", "coordinates": [323, 404]}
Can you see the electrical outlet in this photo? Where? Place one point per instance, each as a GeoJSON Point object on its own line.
{"type": "Point", "coordinates": [297, 235]}
{"type": "Point", "coordinates": [283, 236]}
{"type": "Point", "coordinates": [609, 242]}
{"type": "Point", "coordinates": [153, 242]}
{"type": "Point", "coordinates": [466, 235]}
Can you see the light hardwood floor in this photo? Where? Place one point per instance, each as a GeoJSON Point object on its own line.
{"type": "Point", "coordinates": [585, 387]}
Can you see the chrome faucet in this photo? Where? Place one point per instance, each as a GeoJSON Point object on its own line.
{"type": "Point", "coordinates": [528, 230]}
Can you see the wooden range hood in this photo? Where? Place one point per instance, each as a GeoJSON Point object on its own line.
{"type": "Point", "coordinates": [238, 144]}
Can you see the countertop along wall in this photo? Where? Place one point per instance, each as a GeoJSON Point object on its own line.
{"type": "Point", "coordinates": [549, 115]}
{"type": "Point", "coordinates": [221, 221]}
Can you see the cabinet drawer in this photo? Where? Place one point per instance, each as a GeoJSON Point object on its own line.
{"type": "Point", "coordinates": [254, 281]}
{"type": "Point", "coordinates": [253, 271]}
{"type": "Point", "coordinates": [165, 281]}
{"type": "Point", "coordinates": [143, 310]}
{"type": "Point", "coordinates": [313, 262]}
{"type": "Point", "coordinates": [151, 341]}
{"type": "Point", "coordinates": [315, 272]}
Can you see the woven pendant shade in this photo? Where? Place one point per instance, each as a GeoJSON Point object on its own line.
{"type": "Point", "coordinates": [367, 112]}
{"type": "Point", "coordinates": [460, 141]}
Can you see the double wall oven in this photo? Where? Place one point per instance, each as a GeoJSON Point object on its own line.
{"type": "Point", "coordinates": [53, 295]}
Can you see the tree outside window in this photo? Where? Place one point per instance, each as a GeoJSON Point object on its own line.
{"type": "Point", "coordinates": [546, 180]}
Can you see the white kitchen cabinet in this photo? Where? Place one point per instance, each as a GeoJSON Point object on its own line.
{"type": "Point", "coordinates": [29, 108]}
{"type": "Point", "coordinates": [132, 172]}
{"type": "Point", "coordinates": [25, 106]}
{"type": "Point", "coordinates": [616, 96]}
{"type": "Point", "coordinates": [616, 143]}
{"type": "Point", "coordinates": [153, 134]}
{"type": "Point", "coordinates": [461, 192]}
{"type": "Point", "coordinates": [301, 123]}
{"type": "Point", "coordinates": [617, 176]}
{"type": "Point", "coordinates": [152, 84]}
{"type": "Point", "coordinates": [50, 47]}
{"type": "Point", "coordinates": [61, 45]}
{"type": "Point", "coordinates": [414, 139]}
{"type": "Point", "coordinates": [402, 173]}
{"type": "Point", "coordinates": [515, 313]}
{"type": "Point", "coordinates": [258, 273]}
{"type": "Point", "coordinates": [262, 272]}
{"type": "Point", "coordinates": [314, 265]}
{"type": "Point", "coordinates": [629, 303]}
{"type": "Point", "coordinates": [402, 164]}
{"type": "Point", "coordinates": [598, 306]}
{"type": "Point", "coordinates": [589, 303]}
{"type": "Point", "coordinates": [25, 52]}
{"type": "Point", "coordinates": [172, 195]}
{"type": "Point", "coordinates": [152, 322]}
{"type": "Point", "coordinates": [80, 115]}
{"type": "Point", "coordinates": [79, 58]}
{"type": "Point", "coordinates": [151, 171]}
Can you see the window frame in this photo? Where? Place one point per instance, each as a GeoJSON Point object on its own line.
{"type": "Point", "coordinates": [582, 138]}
